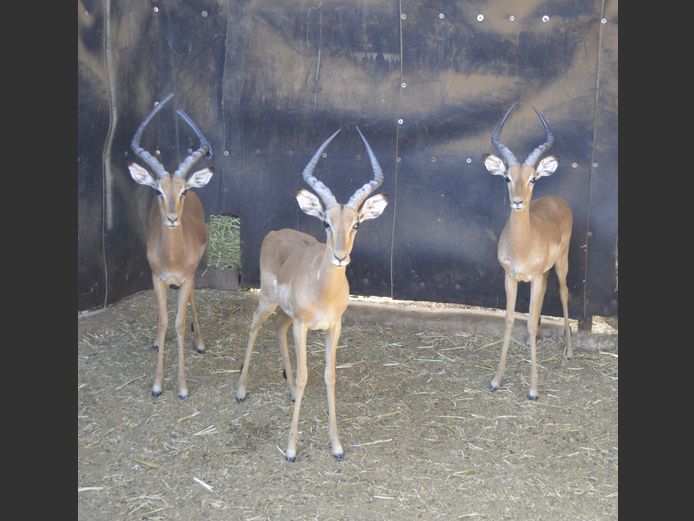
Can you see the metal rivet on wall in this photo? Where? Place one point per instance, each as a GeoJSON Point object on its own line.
{"type": "Point", "coordinates": [226, 153]}
{"type": "Point", "coordinates": [403, 84]}
{"type": "Point", "coordinates": [401, 121]}
{"type": "Point", "coordinates": [545, 18]}
{"type": "Point", "coordinates": [603, 21]}
{"type": "Point", "coordinates": [442, 16]}
{"type": "Point", "coordinates": [190, 150]}
{"type": "Point", "coordinates": [403, 16]}
{"type": "Point", "coordinates": [595, 164]}
{"type": "Point", "coordinates": [480, 17]}
{"type": "Point", "coordinates": [398, 159]}
{"type": "Point", "coordinates": [324, 154]}
{"type": "Point", "coordinates": [574, 165]}
{"type": "Point", "coordinates": [468, 160]}
{"type": "Point", "coordinates": [512, 18]}
{"type": "Point", "coordinates": [156, 9]}
{"type": "Point", "coordinates": [157, 152]}
{"type": "Point", "coordinates": [204, 14]}
{"type": "Point", "coordinates": [433, 159]}
{"type": "Point", "coordinates": [358, 157]}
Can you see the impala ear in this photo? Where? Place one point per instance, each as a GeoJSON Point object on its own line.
{"type": "Point", "coordinates": [494, 164]}
{"type": "Point", "coordinates": [373, 207]}
{"type": "Point", "coordinates": [200, 178]}
{"type": "Point", "coordinates": [141, 176]}
{"type": "Point", "coordinates": [547, 166]}
{"type": "Point", "coordinates": [310, 204]}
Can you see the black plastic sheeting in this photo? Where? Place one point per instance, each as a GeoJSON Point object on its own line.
{"type": "Point", "coordinates": [426, 83]}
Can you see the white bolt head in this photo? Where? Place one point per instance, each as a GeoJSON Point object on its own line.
{"type": "Point", "coordinates": [545, 18]}
{"type": "Point", "coordinates": [595, 164]}
{"type": "Point", "coordinates": [403, 84]}
{"type": "Point", "coordinates": [574, 165]}
{"type": "Point", "coordinates": [512, 18]}
{"type": "Point", "coordinates": [226, 152]}
{"type": "Point", "coordinates": [442, 16]}
{"type": "Point", "coordinates": [324, 154]}
{"type": "Point", "coordinates": [403, 16]}
{"type": "Point", "coordinates": [480, 17]}
{"type": "Point", "coordinates": [204, 14]}
{"type": "Point", "coordinates": [156, 9]}
{"type": "Point", "coordinates": [468, 160]}
{"type": "Point", "coordinates": [603, 21]}
{"type": "Point", "coordinates": [401, 121]}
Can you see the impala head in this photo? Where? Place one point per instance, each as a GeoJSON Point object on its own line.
{"type": "Point", "coordinates": [341, 221]}
{"type": "Point", "coordinates": [171, 188]}
{"type": "Point", "coordinates": [520, 178]}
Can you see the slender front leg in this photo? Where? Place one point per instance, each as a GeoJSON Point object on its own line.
{"type": "Point", "coordinates": [199, 344]}
{"type": "Point", "coordinates": [285, 322]}
{"type": "Point", "coordinates": [160, 290]}
{"type": "Point", "coordinates": [265, 309]}
{"type": "Point", "coordinates": [301, 378]}
{"type": "Point", "coordinates": [536, 295]}
{"type": "Point", "coordinates": [511, 286]}
{"type": "Point", "coordinates": [332, 336]}
{"type": "Point", "coordinates": [183, 298]}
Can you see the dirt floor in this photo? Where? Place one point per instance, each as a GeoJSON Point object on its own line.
{"type": "Point", "coordinates": [424, 438]}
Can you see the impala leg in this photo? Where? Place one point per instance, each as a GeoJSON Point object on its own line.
{"type": "Point", "coordinates": [265, 309]}
{"type": "Point", "coordinates": [184, 296]}
{"type": "Point", "coordinates": [199, 344]}
{"type": "Point", "coordinates": [299, 330]}
{"type": "Point", "coordinates": [285, 322]}
{"type": "Point", "coordinates": [511, 286]}
{"type": "Point", "coordinates": [562, 269]}
{"type": "Point", "coordinates": [543, 289]}
{"type": "Point", "coordinates": [536, 293]}
{"type": "Point", "coordinates": [160, 290]}
{"type": "Point", "coordinates": [332, 336]}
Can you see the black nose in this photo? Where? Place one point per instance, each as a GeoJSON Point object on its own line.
{"type": "Point", "coordinates": [340, 259]}
{"type": "Point", "coordinates": [172, 221]}
{"type": "Point", "coordinates": [518, 201]}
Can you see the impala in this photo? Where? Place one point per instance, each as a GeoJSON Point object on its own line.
{"type": "Point", "coordinates": [307, 280]}
{"type": "Point", "coordinates": [176, 239]}
{"type": "Point", "coordinates": [535, 239]}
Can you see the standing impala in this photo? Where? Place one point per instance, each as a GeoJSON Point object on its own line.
{"type": "Point", "coordinates": [307, 280]}
{"type": "Point", "coordinates": [176, 239]}
{"type": "Point", "coordinates": [535, 239]}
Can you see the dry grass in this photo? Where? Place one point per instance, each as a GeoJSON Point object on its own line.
{"type": "Point", "coordinates": [224, 242]}
{"type": "Point", "coordinates": [423, 435]}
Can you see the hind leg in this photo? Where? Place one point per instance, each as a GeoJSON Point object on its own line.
{"type": "Point", "coordinates": [562, 270]}
{"type": "Point", "coordinates": [265, 309]}
{"type": "Point", "coordinates": [284, 322]}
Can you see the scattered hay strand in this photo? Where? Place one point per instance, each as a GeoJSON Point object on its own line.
{"type": "Point", "coordinates": [203, 484]}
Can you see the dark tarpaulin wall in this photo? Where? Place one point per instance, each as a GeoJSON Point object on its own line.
{"type": "Point", "coordinates": [268, 81]}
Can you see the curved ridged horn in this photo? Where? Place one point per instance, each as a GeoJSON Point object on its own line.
{"type": "Point", "coordinates": [535, 154]}
{"type": "Point", "coordinates": [508, 155]}
{"type": "Point", "coordinates": [360, 195]}
{"type": "Point", "coordinates": [204, 148]}
{"type": "Point", "coordinates": [148, 158]}
{"type": "Point", "coordinates": [318, 187]}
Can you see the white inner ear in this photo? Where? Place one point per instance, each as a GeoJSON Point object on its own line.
{"type": "Point", "coordinates": [547, 166]}
{"type": "Point", "coordinates": [141, 176]}
{"type": "Point", "coordinates": [373, 207]}
{"type": "Point", "coordinates": [495, 165]}
{"type": "Point", "coordinates": [310, 204]}
{"type": "Point", "coordinates": [199, 178]}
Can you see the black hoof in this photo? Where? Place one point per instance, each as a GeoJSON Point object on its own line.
{"type": "Point", "coordinates": [192, 326]}
{"type": "Point", "coordinates": [284, 374]}
{"type": "Point", "coordinates": [155, 347]}
{"type": "Point", "coordinates": [493, 388]}
{"type": "Point", "coordinates": [239, 400]}
{"type": "Point", "coordinates": [201, 351]}
{"type": "Point", "coordinates": [339, 457]}
{"type": "Point", "coordinates": [182, 396]}
{"type": "Point", "coordinates": [241, 368]}
{"type": "Point", "coordinates": [533, 398]}
{"type": "Point", "coordinates": [291, 459]}
{"type": "Point", "coordinates": [156, 394]}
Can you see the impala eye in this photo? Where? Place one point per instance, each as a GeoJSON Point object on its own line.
{"type": "Point", "coordinates": [356, 225]}
{"type": "Point", "coordinates": [508, 179]}
{"type": "Point", "coordinates": [532, 180]}
{"type": "Point", "coordinates": [184, 192]}
{"type": "Point", "coordinates": [160, 194]}
{"type": "Point", "coordinates": [326, 225]}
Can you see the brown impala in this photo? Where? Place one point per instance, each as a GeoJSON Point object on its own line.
{"type": "Point", "coordinates": [176, 239]}
{"type": "Point", "coordinates": [535, 239]}
{"type": "Point", "coordinates": [307, 280]}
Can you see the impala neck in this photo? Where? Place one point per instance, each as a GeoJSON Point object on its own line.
{"type": "Point", "coordinates": [520, 231]}
{"type": "Point", "coordinates": [172, 242]}
{"type": "Point", "coordinates": [331, 279]}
